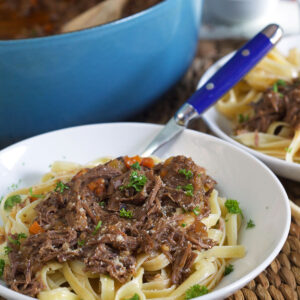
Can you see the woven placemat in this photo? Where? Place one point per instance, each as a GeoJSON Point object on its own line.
{"type": "Point", "coordinates": [281, 280]}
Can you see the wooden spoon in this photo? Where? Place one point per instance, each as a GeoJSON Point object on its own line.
{"type": "Point", "coordinates": [104, 12]}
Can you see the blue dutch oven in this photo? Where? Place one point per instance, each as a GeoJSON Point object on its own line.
{"type": "Point", "coordinates": [105, 73]}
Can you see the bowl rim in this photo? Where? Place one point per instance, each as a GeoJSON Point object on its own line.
{"type": "Point", "coordinates": [228, 289]}
{"type": "Point", "coordinates": [95, 29]}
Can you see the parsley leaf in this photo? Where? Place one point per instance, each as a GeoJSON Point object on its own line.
{"type": "Point", "coordinates": [60, 187]}
{"type": "Point", "coordinates": [188, 189]}
{"type": "Point", "coordinates": [250, 224]}
{"type": "Point", "coordinates": [243, 118]}
{"type": "Point", "coordinates": [195, 291]}
{"type": "Point", "coordinates": [233, 207]}
{"type": "Point", "coordinates": [183, 225]}
{"type": "Point", "coordinates": [281, 82]}
{"type": "Point", "coordinates": [134, 297]}
{"type": "Point", "coordinates": [126, 213]}
{"type": "Point", "coordinates": [102, 203]}
{"type": "Point", "coordinates": [228, 269]}
{"type": "Point", "coordinates": [97, 227]}
{"type": "Point", "coordinates": [2, 265]}
{"type": "Point", "coordinates": [136, 181]}
{"type": "Point", "coordinates": [17, 241]}
{"type": "Point", "coordinates": [7, 250]}
{"type": "Point", "coordinates": [288, 150]}
{"type": "Point", "coordinates": [11, 201]}
{"type": "Point", "coordinates": [136, 166]}
{"type": "Point", "coordinates": [81, 243]}
{"type": "Point", "coordinates": [187, 173]}
{"type": "Point", "coordinates": [35, 195]}
{"type": "Point", "coordinates": [196, 210]}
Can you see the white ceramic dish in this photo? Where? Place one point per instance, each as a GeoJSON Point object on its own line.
{"type": "Point", "coordinates": [223, 127]}
{"type": "Point", "coordinates": [239, 175]}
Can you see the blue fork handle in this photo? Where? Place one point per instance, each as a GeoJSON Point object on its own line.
{"type": "Point", "coordinates": [236, 68]}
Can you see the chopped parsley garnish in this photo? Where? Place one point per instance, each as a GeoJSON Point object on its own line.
{"type": "Point", "coordinates": [243, 118]}
{"type": "Point", "coordinates": [228, 269]}
{"type": "Point", "coordinates": [233, 207]}
{"type": "Point", "coordinates": [2, 265]}
{"type": "Point", "coordinates": [126, 213]}
{"type": "Point", "coordinates": [250, 224]}
{"type": "Point", "coordinates": [195, 291]}
{"type": "Point", "coordinates": [11, 201]}
{"type": "Point", "coordinates": [136, 181]}
{"type": "Point", "coordinates": [196, 210]}
{"type": "Point", "coordinates": [187, 173]}
{"type": "Point", "coordinates": [7, 250]}
{"type": "Point", "coordinates": [281, 82]}
{"type": "Point", "coordinates": [60, 187]}
{"type": "Point", "coordinates": [136, 166]}
{"type": "Point", "coordinates": [188, 189]}
{"type": "Point", "coordinates": [183, 225]}
{"type": "Point", "coordinates": [288, 150]}
{"type": "Point", "coordinates": [277, 83]}
{"type": "Point", "coordinates": [35, 195]}
{"type": "Point", "coordinates": [134, 297]}
{"type": "Point", "coordinates": [81, 243]}
{"type": "Point", "coordinates": [102, 203]}
{"type": "Point", "coordinates": [17, 241]}
{"type": "Point", "coordinates": [97, 227]}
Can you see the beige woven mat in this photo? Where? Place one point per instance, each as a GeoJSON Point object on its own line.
{"type": "Point", "coordinates": [281, 280]}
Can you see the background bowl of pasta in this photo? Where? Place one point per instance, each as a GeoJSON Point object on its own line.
{"type": "Point", "coordinates": [241, 117]}
{"type": "Point", "coordinates": [260, 210]}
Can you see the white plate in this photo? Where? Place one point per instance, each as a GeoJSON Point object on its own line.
{"type": "Point", "coordinates": [239, 175]}
{"type": "Point", "coordinates": [223, 128]}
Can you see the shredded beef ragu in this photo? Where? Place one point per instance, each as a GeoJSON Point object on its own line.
{"type": "Point", "coordinates": [71, 217]}
{"type": "Point", "coordinates": [282, 105]}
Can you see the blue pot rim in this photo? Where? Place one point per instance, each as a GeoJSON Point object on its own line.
{"type": "Point", "coordinates": [94, 29]}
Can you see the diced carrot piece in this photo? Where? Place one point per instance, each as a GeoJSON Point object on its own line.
{"type": "Point", "coordinates": [129, 161]}
{"type": "Point", "coordinates": [148, 162]}
{"type": "Point", "coordinates": [35, 228]}
{"type": "Point", "coordinates": [32, 199]}
{"type": "Point", "coordinates": [97, 186]}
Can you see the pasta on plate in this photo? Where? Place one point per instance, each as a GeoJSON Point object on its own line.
{"type": "Point", "coordinates": [126, 228]}
{"type": "Point", "coordinates": [265, 106]}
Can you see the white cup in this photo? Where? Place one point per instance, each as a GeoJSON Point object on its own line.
{"type": "Point", "coordinates": [240, 11]}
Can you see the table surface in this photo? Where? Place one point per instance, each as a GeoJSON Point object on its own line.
{"type": "Point", "coordinates": [281, 280]}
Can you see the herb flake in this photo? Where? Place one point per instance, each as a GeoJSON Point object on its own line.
{"type": "Point", "coordinates": [2, 265]}
{"type": "Point", "coordinates": [11, 201]}
{"type": "Point", "coordinates": [233, 207]}
{"type": "Point", "coordinates": [97, 227]}
{"type": "Point", "coordinates": [7, 250]}
{"type": "Point", "coordinates": [81, 243]}
{"type": "Point", "coordinates": [195, 291]}
{"type": "Point", "coordinates": [126, 213]}
{"type": "Point", "coordinates": [228, 269]}
{"type": "Point", "coordinates": [136, 181]}
{"type": "Point", "coordinates": [60, 187]}
{"type": "Point", "coordinates": [187, 173]}
{"type": "Point", "coordinates": [188, 189]}
{"type": "Point", "coordinates": [196, 210]}
{"type": "Point", "coordinates": [134, 297]}
{"type": "Point", "coordinates": [250, 224]}
{"type": "Point", "coordinates": [136, 166]}
{"type": "Point", "coordinates": [35, 195]}
{"type": "Point", "coordinates": [102, 203]}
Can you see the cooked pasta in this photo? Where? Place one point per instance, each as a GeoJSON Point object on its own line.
{"type": "Point", "coordinates": [265, 106]}
{"type": "Point", "coordinates": [165, 271]}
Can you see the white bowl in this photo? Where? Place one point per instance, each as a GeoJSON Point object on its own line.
{"type": "Point", "coordinates": [239, 175]}
{"type": "Point", "coordinates": [223, 128]}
